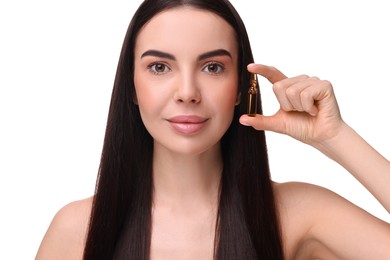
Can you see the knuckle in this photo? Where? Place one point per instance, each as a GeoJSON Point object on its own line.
{"type": "Point", "coordinates": [305, 95]}
{"type": "Point", "coordinates": [304, 76]}
{"type": "Point", "coordinates": [286, 107]}
{"type": "Point", "coordinates": [292, 91]}
{"type": "Point", "coordinates": [278, 86]}
{"type": "Point", "coordinates": [326, 84]}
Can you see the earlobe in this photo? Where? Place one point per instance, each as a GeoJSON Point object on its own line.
{"type": "Point", "coordinates": [238, 99]}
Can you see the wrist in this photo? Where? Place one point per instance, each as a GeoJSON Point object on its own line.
{"type": "Point", "coordinates": [337, 141]}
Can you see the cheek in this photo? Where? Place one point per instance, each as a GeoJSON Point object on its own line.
{"type": "Point", "coordinates": [146, 95]}
{"type": "Point", "coordinates": [144, 101]}
{"type": "Point", "coordinates": [226, 98]}
{"type": "Point", "coordinates": [223, 104]}
{"type": "Point", "coordinates": [229, 102]}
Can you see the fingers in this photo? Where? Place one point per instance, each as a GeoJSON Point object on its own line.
{"type": "Point", "coordinates": [260, 122]}
{"type": "Point", "coordinates": [270, 73]}
{"type": "Point", "coordinates": [298, 94]}
{"type": "Point", "coordinates": [308, 107]}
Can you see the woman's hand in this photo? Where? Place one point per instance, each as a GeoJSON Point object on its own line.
{"type": "Point", "coordinates": [308, 107]}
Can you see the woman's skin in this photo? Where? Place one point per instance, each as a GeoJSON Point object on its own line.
{"type": "Point", "coordinates": [186, 85]}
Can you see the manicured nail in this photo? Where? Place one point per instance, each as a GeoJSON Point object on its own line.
{"type": "Point", "coordinates": [250, 65]}
{"type": "Point", "coordinates": [242, 121]}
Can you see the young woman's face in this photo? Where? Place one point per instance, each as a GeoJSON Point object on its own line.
{"type": "Point", "coordinates": [185, 75]}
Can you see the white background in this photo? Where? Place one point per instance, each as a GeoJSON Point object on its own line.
{"type": "Point", "coordinates": [57, 65]}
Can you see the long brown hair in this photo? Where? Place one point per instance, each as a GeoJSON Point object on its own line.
{"type": "Point", "coordinates": [120, 222]}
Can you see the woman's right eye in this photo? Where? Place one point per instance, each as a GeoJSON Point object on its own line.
{"type": "Point", "coordinates": [158, 68]}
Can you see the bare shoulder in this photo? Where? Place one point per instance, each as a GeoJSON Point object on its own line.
{"type": "Point", "coordinates": [306, 199]}
{"type": "Point", "coordinates": [298, 204]}
{"type": "Point", "coordinates": [65, 237]}
{"type": "Point", "coordinates": [318, 223]}
{"type": "Point", "coordinates": [299, 194]}
{"type": "Point", "coordinates": [313, 201]}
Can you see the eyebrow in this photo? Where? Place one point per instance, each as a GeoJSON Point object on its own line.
{"type": "Point", "coordinates": [159, 54]}
{"type": "Point", "coordinates": [214, 53]}
{"type": "Point", "coordinates": [165, 55]}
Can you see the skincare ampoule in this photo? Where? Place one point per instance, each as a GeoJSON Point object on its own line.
{"type": "Point", "coordinates": [252, 96]}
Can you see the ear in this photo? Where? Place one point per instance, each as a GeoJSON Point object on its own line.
{"type": "Point", "coordinates": [238, 99]}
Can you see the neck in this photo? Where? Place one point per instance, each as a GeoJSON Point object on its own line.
{"type": "Point", "coordinates": [186, 180]}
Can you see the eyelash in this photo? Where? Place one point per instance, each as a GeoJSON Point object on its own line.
{"type": "Point", "coordinates": [152, 69]}
{"type": "Point", "coordinates": [221, 68]}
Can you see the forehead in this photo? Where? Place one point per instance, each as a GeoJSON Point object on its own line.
{"type": "Point", "coordinates": [186, 29]}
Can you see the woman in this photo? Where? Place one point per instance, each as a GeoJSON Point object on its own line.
{"type": "Point", "coordinates": [184, 172]}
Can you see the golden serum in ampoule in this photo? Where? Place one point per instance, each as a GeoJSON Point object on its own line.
{"type": "Point", "coordinates": [253, 93]}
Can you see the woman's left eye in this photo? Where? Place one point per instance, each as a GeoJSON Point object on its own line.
{"type": "Point", "coordinates": [158, 68]}
{"type": "Point", "coordinates": [214, 68]}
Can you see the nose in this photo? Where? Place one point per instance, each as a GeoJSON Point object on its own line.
{"type": "Point", "coordinates": [187, 90]}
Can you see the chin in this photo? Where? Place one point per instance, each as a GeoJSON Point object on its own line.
{"type": "Point", "coordinates": [189, 147]}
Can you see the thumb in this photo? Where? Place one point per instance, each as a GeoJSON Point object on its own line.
{"type": "Point", "coordinates": [260, 122]}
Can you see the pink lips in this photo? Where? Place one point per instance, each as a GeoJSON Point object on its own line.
{"type": "Point", "coordinates": [187, 124]}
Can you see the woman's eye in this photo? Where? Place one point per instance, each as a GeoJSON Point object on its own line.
{"type": "Point", "coordinates": [213, 68]}
{"type": "Point", "coordinates": [158, 68]}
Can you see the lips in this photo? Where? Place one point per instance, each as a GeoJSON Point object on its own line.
{"type": "Point", "coordinates": [187, 124]}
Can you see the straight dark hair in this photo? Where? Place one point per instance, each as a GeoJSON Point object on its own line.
{"type": "Point", "coordinates": [120, 222]}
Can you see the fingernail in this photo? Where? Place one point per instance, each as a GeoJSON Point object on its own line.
{"type": "Point", "coordinates": [242, 121]}
{"type": "Point", "coordinates": [313, 111]}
